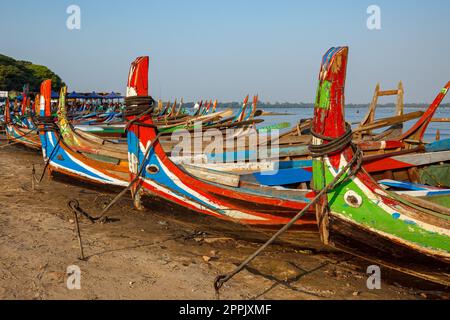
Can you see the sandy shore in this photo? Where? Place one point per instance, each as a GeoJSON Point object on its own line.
{"type": "Point", "coordinates": [143, 255]}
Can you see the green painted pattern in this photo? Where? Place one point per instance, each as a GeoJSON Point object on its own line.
{"type": "Point", "coordinates": [281, 125]}
{"type": "Point", "coordinates": [324, 99]}
{"type": "Point", "coordinates": [371, 215]}
{"type": "Point", "coordinates": [63, 123]}
{"type": "Point", "coordinates": [317, 94]}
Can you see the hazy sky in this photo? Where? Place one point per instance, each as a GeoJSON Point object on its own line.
{"type": "Point", "coordinates": [226, 49]}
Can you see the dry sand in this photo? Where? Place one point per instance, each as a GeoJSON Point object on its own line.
{"type": "Point", "coordinates": [142, 255]}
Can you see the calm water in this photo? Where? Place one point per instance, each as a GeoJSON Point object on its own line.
{"type": "Point", "coordinates": [356, 114]}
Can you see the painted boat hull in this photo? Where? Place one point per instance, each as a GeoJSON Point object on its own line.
{"type": "Point", "coordinates": [364, 243]}
{"type": "Point", "coordinates": [356, 214]}
{"type": "Point", "coordinates": [26, 137]}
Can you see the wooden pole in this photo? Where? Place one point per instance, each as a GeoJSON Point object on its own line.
{"type": "Point", "coordinates": [77, 227]}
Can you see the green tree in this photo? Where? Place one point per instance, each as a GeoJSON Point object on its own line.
{"type": "Point", "coordinates": [15, 73]}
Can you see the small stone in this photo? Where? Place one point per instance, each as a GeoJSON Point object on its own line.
{"type": "Point", "coordinates": [423, 295]}
{"type": "Point", "coordinates": [206, 258]}
{"type": "Point", "coordinates": [71, 221]}
{"type": "Point", "coordinates": [163, 223]}
{"type": "Point", "coordinates": [356, 293]}
{"type": "Point", "coordinates": [131, 283]}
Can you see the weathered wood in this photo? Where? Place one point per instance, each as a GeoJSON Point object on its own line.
{"type": "Point", "coordinates": [225, 178]}
{"type": "Point", "coordinates": [387, 93]}
{"type": "Point", "coordinates": [384, 122]}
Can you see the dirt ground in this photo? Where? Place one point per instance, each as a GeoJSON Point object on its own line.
{"type": "Point", "coordinates": [142, 255]}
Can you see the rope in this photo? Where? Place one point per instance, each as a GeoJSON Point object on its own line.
{"type": "Point", "coordinates": [75, 206]}
{"type": "Point", "coordinates": [323, 150]}
{"type": "Point", "coordinates": [137, 106]}
{"type": "Point", "coordinates": [333, 145]}
{"type": "Point", "coordinates": [49, 125]}
{"type": "Point", "coordinates": [47, 163]}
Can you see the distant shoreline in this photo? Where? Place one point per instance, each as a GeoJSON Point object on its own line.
{"type": "Point", "coordinates": [235, 105]}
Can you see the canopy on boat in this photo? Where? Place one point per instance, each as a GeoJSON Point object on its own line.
{"type": "Point", "coordinates": [55, 95]}
{"type": "Point", "coordinates": [94, 95]}
{"type": "Point", "coordinates": [76, 95]}
{"type": "Point", "coordinates": [113, 95]}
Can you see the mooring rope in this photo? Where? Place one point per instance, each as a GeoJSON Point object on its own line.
{"type": "Point", "coordinates": [74, 205]}
{"type": "Point", "coordinates": [131, 103]}
{"type": "Point", "coordinates": [337, 144]}
{"type": "Point", "coordinates": [49, 124]}
{"type": "Point", "coordinates": [138, 107]}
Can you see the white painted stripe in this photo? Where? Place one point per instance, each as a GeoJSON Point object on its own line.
{"type": "Point", "coordinates": [108, 179]}
{"type": "Point", "coordinates": [231, 213]}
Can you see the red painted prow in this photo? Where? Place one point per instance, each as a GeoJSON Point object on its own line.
{"type": "Point", "coordinates": [417, 131]}
{"type": "Point", "coordinates": [244, 107]}
{"type": "Point", "coordinates": [255, 104]}
{"type": "Point", "coordinates": [329, 117]}
{"type": "Point", "coordinates": [25, 101]}
{"type": "Point", "coordinates": [45, 99]}
{"type": "Point", "coordinates": [36, 104]}
{"type": "Point", "coordinates": [7, 112]}
{"type": "Point", "coordinates": [137, 84]}
{"type": "Point", "coordinates": [138, 77]}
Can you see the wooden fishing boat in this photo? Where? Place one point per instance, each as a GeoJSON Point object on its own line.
{"type": "Point", "coordinates": [358, 215]}
{"type": "Point", "coordinates": [62, 159]}
{"type": "Point", "coordinates": [241, 206]}
{"type": "Point", "coordinates": [20, 133]}
{"type": "Point", "coordinates": [159, 179]}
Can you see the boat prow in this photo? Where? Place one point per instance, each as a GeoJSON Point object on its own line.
{"type": "Point", "coordinates": [359, 216]}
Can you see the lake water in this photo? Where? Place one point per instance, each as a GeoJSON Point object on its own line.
{"type": "Point", "coordinates": [354, 114]}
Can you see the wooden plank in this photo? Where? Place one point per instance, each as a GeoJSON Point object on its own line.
{"type": "Point", "coordinates": [390, 121]}
{"type": "Point", "coordinates": [420, 159]}
{"type": "Point", "coordinates": [225, 178]}
{"type": "Point", "coordinates": [387, 93]}
{"type": "Point", "coordinates": [440, 120]}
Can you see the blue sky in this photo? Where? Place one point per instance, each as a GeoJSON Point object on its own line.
{"type": "Point", "coordinates": [226, 49]}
